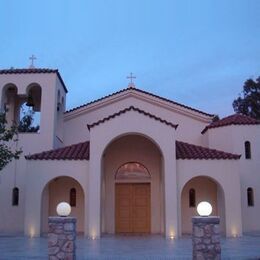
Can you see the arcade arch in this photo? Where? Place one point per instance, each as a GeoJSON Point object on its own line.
{"type": "Point", "coordinates": [58, 190]}
{"type": "Point", "coordinates": [206, 189]}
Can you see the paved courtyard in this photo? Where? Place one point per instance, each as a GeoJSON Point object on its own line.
{"type": "Point", "coordinates": [128, 247]}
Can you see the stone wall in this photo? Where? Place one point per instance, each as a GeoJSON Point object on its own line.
{"type": "Point", "coordinates": [206, 238]}
{"type": "Point", "coordinates": [62, 238]}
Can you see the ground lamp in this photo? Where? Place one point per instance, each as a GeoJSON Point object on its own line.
{"type": "Point", "coordinates": [63, 209]}
{"type": "Point", "coordinates": [204, 209]}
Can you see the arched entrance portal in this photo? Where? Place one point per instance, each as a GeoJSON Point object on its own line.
{"type": "Point", "coordinates": [62, 189]}
{"type": "Point", "coordinates": [199, 189]}
{"type": "Point", "coordinates": [132, 189]}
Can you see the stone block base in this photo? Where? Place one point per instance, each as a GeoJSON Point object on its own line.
{"type": "Point", "coordinates": [206, 238]}
{"type": "Point", "coordinates": [62, 238]}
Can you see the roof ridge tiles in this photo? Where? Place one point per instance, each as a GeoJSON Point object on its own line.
{"type": "Point", "coordinates": [140, 91]}
{"type": "Point", "coordinates": [127, 110]}
{"type": "Point", "coordinates": [184, 151]}
{"type": "Point", "coordinates": [33, 70]}
{"type": "Point", "coordinates": [191, 151]}
{"type": "Point", "coordinates": [70, 152]}
{"type": "Point", "coordinates": [234, 119]}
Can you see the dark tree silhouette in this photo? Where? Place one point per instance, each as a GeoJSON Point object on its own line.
{"type": "Point", "coordinates": [249, 102]}
{"type": "Point", "coordinates": [26, 123]}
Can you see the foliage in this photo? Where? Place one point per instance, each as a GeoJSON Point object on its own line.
{"type": "Point", "coordinates": [26, 123]}
{"type": "Point", "coordinates": [8, 137]}
{"type": "Point", "coordinates": [215, 118]}
{"type": "Point", "coordinates": [249, 103]}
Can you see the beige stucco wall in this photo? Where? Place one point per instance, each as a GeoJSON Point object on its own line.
{"type": "Point", "coordinates": [49, 84]}
{"type": "Point", "coordinates": [15, 174]}
{"type": "Point", "coordinates": [77, 120]}
{"type": "Point", "coordinates": [39, 174]}
{"type": "Point", "coordinates": [226, 174]}
{"type": "Point", "coordinates": [127, 124]}
{"type": "Point", "coordinates": [232, 139]}
{"type": "Point", "coordinates": [132, 148]}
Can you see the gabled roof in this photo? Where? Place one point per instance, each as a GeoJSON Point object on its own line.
{"type": "Point", "coordinates": [236, 119]}
{"type": "Point", "coordinates": [184, 151]}
{"type": "Point", "coordinates": [78, 151]}
{"type": "Point", "coordinates": [191, 151]}
{"type": "Point", "coordinates": [136, 90]}
{"type": "Point", "coordinates": [131, 108]}
{"type": "Point", "coordinates": [34, 70]}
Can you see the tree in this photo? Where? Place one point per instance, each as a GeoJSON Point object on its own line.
{"type": "Point", "coordinates": [26, 122]}
{"type": "Point", "coordinates": [8, 141]}
{"type": "Point", "coordinates": [249, 102]}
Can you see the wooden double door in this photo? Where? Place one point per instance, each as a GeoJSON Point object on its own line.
{"type": "Point", "coordinates": [133, 208]}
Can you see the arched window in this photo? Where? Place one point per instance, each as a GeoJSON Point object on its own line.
{"type": "Point", "coordinates": [192, 198]}
{"type": "Point", "coordinates": [247, 150]}
{"type": "Point", "coordinates": [15, 196]}
{"type": "Point", "coordinates": [250, 197]}
{"type": "Point", "coordinates": [132, 170]}
{"type": "Point", "coordinates": [73, 197]}
{"type": "Point", "coordinates": [58, 101]}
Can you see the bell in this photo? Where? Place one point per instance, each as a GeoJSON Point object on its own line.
{"type": "Point", "coordinates": [29, 102]}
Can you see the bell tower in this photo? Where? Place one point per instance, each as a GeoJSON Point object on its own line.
{"type": "Point", "coordinates": [38, 94]}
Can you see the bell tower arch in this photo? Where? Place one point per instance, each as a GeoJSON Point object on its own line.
{"type": "Point", "coordinates": [40, 93]}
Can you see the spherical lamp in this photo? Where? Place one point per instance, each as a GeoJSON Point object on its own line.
{"type": "Point", "coordinates": [204, 209]}
{"type": "Point", "coordinates": [63, 209]}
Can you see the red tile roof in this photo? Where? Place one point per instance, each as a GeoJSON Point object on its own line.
{"type": "Point", "coordinates": [34, 70]}
{"type": "Point", "coordinates": [131, 108]}
{"type": "Point", "coordinates": [183, 151]}
{"type": "Point", "coordinates": [78, 151]}
{"type": "Point", "coordinates": [143, 92]}
{"type": "Point", "coordinates": [236, 119]}
{"type": "Point", "coordinates": [191, 151]}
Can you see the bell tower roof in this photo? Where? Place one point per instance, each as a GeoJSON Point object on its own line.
{"type": "Point", "coordinates": [34, 70]}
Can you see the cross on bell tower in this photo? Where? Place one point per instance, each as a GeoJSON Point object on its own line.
{"type": "Point", "coordinates": [131, 83]}
{"type": "Point", "coordinates": [32, 58]}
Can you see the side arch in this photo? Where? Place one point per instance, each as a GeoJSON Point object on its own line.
{"type": "Point", "coordinates": [206, 189]}
{"type": "Point", "coordinates": [57, 190]}
{"type": "Point", "coordinates": [39, 175]}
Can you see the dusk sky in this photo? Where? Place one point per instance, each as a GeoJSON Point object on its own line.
{"type": "Point", "coordinates": [198, 53]}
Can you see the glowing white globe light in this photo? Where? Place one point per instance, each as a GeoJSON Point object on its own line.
{"type": "Point", "coordinates": [204, 209]}
{"type": "Point", "coordinates": [63, 209]}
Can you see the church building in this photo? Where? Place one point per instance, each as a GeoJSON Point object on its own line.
{"type": "Point", "coordinates": [130, 162]}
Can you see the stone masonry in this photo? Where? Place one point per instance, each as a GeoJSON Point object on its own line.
{"type": "Point", "coordinates": [206, 238]}
{"type": "Point", "coordinates": [62, 238]}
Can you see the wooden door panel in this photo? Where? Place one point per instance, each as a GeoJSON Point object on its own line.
{"type": "Point", "coordinates": [133, 208]}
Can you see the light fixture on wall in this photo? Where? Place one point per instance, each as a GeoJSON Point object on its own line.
{"type": "Point", "coordinates": [63, 209]}
{"type": "Point", "coordinates": [204, 209]}
{"type": "Point", "coordinates": [29, 102]}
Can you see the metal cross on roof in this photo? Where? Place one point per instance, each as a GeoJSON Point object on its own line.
{"type": "Point", "coordinates": [131, 83]}
{"type": "Point", "coordinates": [32, 58]}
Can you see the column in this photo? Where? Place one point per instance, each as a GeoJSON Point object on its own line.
{"type": "Point", "coordinates": [94, 195]}
{"type": "Point", "coordinates": [170, 191]}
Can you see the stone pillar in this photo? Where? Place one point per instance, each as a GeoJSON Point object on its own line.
{"type": "Point", "coordinates": [62, 238]}
{"type": "Point", "coordinates": [206, 238]}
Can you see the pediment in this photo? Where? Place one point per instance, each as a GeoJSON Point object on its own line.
{"type": "Point", "coordinates": [141, 96]}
